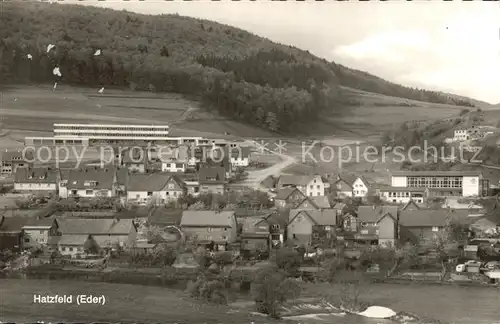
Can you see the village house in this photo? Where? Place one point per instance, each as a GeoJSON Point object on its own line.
{"type": "Point", "coordinates": [309, 185]}
{"type": "Point", "coordinates": [387, 230]}
{"type": "Point", "coordinates": [107, 233]}
{"type": "Point", "coordinates": [42, 181]}
{"type": "Point", "coordinates": [206, 226]}
{"type": "Point", "coordinates": [314, 202]}
{"type": "Point", "coordinates": [89, 182]}
{"type": "Point", "coordinates": [219, 156]}
{"type": "Point", "coordinates": [135, 160]}
{"type": "Point", "coordinates": [368, 218]}
{"type": "Point", "coordinates": [343, 186]}
{"type": "Point", "coordinates": [212, 179]}
{"type": "Point", "coordinates": [122, 178]}
{"type": "Point", "coordinates": [277, 222]}
{"type": "Point", "coordinates": [360, 187]}
{"type": "Point", "coordinates": [424, 225]}
{"type": "Point", "coordinates": [307, 227]}
{"type": "Point", "coordinates": [398, 195]}
{"type": "Point", "coordinates": [240, 156]}
{"type": "Point", "coordinates": [255, 234]}
{"type": "Point", "coordinates": [192, 187]}
{"type": "Point", "coordinates": [348, 223]}
{"type": "Point", "coordinates": [460, 135]}
{"type": "Point", "coordinates": [72, 246]}
{"type": "Point", "coordinates": [287, 198]}
{"type": "Point", "coordinates": [175, 160]}
{"type": "Point", "coordinates": [37, 232]}
{"type": "Point", "coordinates": [12, 160]}
{"type": "Point", "coordinates": [11, 233]}
{"type": "Point", "coordinates": [154, 188]}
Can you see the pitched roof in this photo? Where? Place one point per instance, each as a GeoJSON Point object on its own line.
{"type": "Point", "coordinates": [241, 152]}
{"type": "Point", "coordinates": [289, 179]}
{"type": "Point", "coordinates": [284, 193]}
{"type": "Point", "coordinates": [321, 201]}
{"type": "Point", "coordinates": [249, 223]}
{"type": "Point", "coordinates": [134, 155]}
{"type": "Point", "coordinates": [207, 218]}
{"type": "Point", "coordinates": [72, 239]}
{"type": "Point", "coordinates": [17, 155]}
{"type": "Point", "coordinates": [36, 175]}
{"type": "Point", "coordinates": [180, 153]}
{"type": "Point", "coordinates": [44, 222]}
{"type": "Point", "coordinates": [150, 181]}
{"type": "Point", "coordinates": [122, 176]}
{"type": "Point", "coordinates": [339, 206]}
{"type": "Point", "coordinates": [95, 226]}
{"type": "Point", "coordinates": [321, 217]}
{"type": "Point", "coordinates": [207, 173]}
{"type": "Point", "coordinates": [277, 218]}
{"type": "Point", "coordinates": [437, 173]}
{"type": "Point", "coordinates": [12, 224]}
{"type": "Point", "coordinates": [347, 178]}
{"type": "Point", "coordinates": [431, 217]}
{"type": "Point", "coordinates": [103, 178]}
{"type": "Point", "coordinates": [371, 214]}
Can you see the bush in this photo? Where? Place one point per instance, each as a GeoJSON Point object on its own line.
{"type": "Point", "coordinates": [208, 288]}
{"type": "Point", "coordinates": [288, 260]}
{"type": "Point", "coordinates": [271, 289]}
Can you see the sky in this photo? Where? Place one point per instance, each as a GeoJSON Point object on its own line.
{"type": "Point", "coordinates": [447, 46]}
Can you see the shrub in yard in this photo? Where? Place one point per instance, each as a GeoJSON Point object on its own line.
{"type": "Point", "coordinates": [271, 288]}
{"type": "Point", "coordinates": [288, 260]}
{"type": "Point", "coordinates": [208, 288]}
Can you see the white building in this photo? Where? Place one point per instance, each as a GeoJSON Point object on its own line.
{"type": "Point", "coordinates": [240, 156]}
{"type": "Point", "coordinates": [360, 187]}
{"type": "Point", "coordinates": [310, 186]}
{"type": "Point", "coordinates": [36, 180]}
{"type": "Point", "coordinates": [38, 231]}
{"type": "Point", "coordinates": [442, 183]}
{"type": "Point", "coordinates": [397, 195]}
{"type": "Point", "coordinates": [461, 135]}
{"type": "Point", "coordinates": [154, 188]}
{"type": "Point", "coordinates": [89, 183]}
{"type": "Point", "coordinates": [175, 160]}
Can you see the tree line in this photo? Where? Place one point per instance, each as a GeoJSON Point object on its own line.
{"type": "Point", "coordinates": [234, 73]}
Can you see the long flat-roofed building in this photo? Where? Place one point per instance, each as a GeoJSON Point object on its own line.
{"type": "Point", "coordinates": [441, 183]}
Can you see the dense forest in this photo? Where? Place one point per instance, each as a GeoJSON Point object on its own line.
{"type": "Point", "coordinates": [233, 72]}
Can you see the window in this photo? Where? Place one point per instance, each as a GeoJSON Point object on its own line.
{"type": "Point", "coordinates": [170, 186]}
{"type": "Point", "coordinates": [224, 237]}
{"type": "Point", "coordinates": [70, 249]}
{"type": "Point", "coordinates": [311, 186]}
{"type": "Point", "coordinates": [26, 240]}
{"type": "Point", "coordinates": [41, 232]}
{"type": "Point", "coordinates": [310, 194]}
{"type": "Point", "coordinates": [89, 192]}
{"type": "Point", "coordinates": [150, 193]}
{"type": "Point", "coordinates": [318, 187]}
{"type": "Point", "coordinates": [435, 229]}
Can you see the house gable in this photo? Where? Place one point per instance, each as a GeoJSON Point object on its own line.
{"type": "Point", "coordinates": [306, 204]}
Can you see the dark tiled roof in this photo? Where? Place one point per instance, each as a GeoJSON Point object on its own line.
{"type": "Point", "coordinates": [103, 178]}
{"type": "Point", "coordinates": [134, 156]}
{"type": "Point", "coordinates": [371, 214]}
{"type": "Point", "coordinates": [95, 226]}
{"type": "Point", "coordinates": [122, 176]}
{"type": "Point", "coordinates": [321, 201]}
{"type": "Point", "coordinates": [320, 217]}
{"type": "Point", "coordinates": [12, 224]}
{"type": "Point", "coordinates": [284, 193]}
{"type": "Point", "coordinates": [18, 155]}
{"type": "Point", "coordinates": [150, 181]}
{"type": "Point", "coordinates": [278, 218]}
{"type": "Point", "coordinates": [44, 222]}
{"type": "Point", "coordinates": [288, 179]}
{"type": "Point", "coordinates": [206, 173]}
{"type": "Point", "coordinates": [36, 175]}
{"type": "Point", "coordinates": [207, 218]}
{"type": "Point", "coordinates": [78, 239]}
{"type": "Point", "coordinates": [431, 217]}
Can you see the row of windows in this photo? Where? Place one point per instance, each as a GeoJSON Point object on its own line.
{"type": "Point", "coordinates": [121, 128]}
{"type": "Point", "coordinates": [435, 182]}
{"type": "Point", "coordinates": [116, 134]}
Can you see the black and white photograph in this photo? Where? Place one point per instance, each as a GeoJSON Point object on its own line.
{"type": "Point", "coordinates": [250, 162]}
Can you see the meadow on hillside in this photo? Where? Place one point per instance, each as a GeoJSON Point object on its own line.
{"type": "Point", "coordinates": [232, 72]}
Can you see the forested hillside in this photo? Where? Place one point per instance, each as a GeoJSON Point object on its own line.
{"type": "Point", "coordinates": [234, 72]}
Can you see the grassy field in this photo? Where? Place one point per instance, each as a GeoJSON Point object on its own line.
{"type": "Point", "coordinates": [124, 304]}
